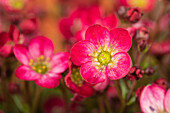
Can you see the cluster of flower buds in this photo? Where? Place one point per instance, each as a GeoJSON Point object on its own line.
{"type": "Point", "coordinates": [135, 73]}
{"type": "Point", "coordinates": [132, 15]}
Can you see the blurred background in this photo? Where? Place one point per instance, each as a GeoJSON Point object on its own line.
{"type": "Point", "coordinates": [60, 20]}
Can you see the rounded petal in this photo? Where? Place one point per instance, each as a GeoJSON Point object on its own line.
{"type": "Point", "coordinates": [80, 52]}
{"type": "Point", "coordinates": [25, 73]}
{"type": "Point", "coordinates": [40, 46]}
{"type": "Point", "coordinates": [120, 66]}
{"type": "Point", "coordinates": [84, 90]}
{"type": "Point", "coordinates": [120, 39]}
{"type": "Point", "coordinates": [65, 27]}
{"type": "Point", "coordinates": [21, 53]}
{"type": "Point", "coordinates": [5, 44]}
{"type": "Point", "coordinates": [60, 62]}
{"type": "Point", "coordinates": [101, 86]}
{"type": "Point", "coordinates": [14, 33]}
{"type": "Point", "coordinates": [151, 99]}
{"type": "Point", "coordinates": [91, 74]}
{"type": "Point", "coordinates": [98, 35]}
{"type": "Point", "coordinates": [47, 81]}
{"type": "Point", "coordinates": [110, 21]}
{"type": "Point", "coordinates": [167, 101]}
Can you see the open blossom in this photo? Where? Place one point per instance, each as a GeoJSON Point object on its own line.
{"type": "Point", "coordinates": [146, 5]}
{"type": "Point", "coordinates": [13, 5]}
{"type": "Point", "coordinates": [39, 63]}
{"type": "Point", "coordinates": [76, 83]}
{"type": "Point", "coordinates": [78, 21]}
{"type": "Point", "coordinates": [154, 99]}
{"type": "Point", "coordinates": [103, 54]}
{"type": "Point", "coordinates": [8, 40]}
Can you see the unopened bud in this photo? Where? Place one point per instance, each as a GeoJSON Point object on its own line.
{"type": "Point", "coordinates": [13, 88]}
{"type": "Point", "coordinates": [149, 71]}
{"type": "Point", "coordinates": [162, 83]}
{"type": "Point", "coordinates": [133, 15]}
{"type": "Point", "coordinates": [135, 73]}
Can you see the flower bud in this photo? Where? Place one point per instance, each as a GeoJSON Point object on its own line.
{"type": "Point", "coordinates": [149, 71]}
{"type": "Point", "coordinates": [162, 83]}
{"type": "Point", "coordinates": [142, 45]}
{"type": "Point", "coordinates": [13, 88]}
{"type": "Point", "coordinates": [142, 33]}
{"type": "Point", "coordinates": [135, 73]}
{"type": "Point", "coordinates": [133, 15]}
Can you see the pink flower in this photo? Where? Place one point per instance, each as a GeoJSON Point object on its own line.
{"type": "Point", "coordinates": [103, 54]}
{"type": "Point", "coordinates": [160, 48]}
{"type": "Point", "coordinates": [155, 99]}
{"type": "Point", "coordinates": [39, 63]}
{"type": "Point", "coordinates": [8, 40]}
{"type": "Point", "coordinates": [75, 82]}
{"type": "Point", "coordinates": [79, 20]}
{"type": "Point", "coordinates": [146, 5]}
{"type": "Point", "coordinates": [13, 5]}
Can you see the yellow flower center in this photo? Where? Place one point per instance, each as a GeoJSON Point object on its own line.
{"type": "Point", "coordinates": [138, 3]}
{"type": "Point", "coordinates": [16, 4]}
{"type": "Point", "coordinates": [104, 57]}
{"type": "Point", "coordinates": [76, 77]}
{"type": "Point", "coordinates": [40, 65]}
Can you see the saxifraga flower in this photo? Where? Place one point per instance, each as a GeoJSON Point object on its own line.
{"type": "Point", "coordinates": [39, 63]}
{"type": "Point", "coordinates": [103, 54]}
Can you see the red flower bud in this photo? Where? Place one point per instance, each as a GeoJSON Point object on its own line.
{"type": "Point", "coordinates": [133, 15]}
{"type": "Point", "coordinates": [135, 73]}
{"type": "Point", "coordinates": [13, 88]}
{"type": "Point", "coordinates": [162, 82]}
{"type": "Point", "coordinates": [149, 71]}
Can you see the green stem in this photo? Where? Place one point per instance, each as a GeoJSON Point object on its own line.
{"type": "Point", "coordinates": [100, 103]}
{"type": "Point", "coordinates": [120, 97]}
{"type": "Point", "coordinates": [65, 97]}
{"type": "Point", "coordinates": [109, 109]}
{"type": "Point", "coordinates": [36, 99]}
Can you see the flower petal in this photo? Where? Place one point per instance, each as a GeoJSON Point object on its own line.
{"type": "Point", "coordinates": [91, 74]}
{"type": "Point", "coordinates": [40, 46]}
{"type": "Point", "coordinates": [151, 99]}
{"type": "Point", "coordinates": [167, 101]}
{"type": "Point", "coordinates": [120, 66]}
{"type": "Point", "coordinates": [120, 39]}
{"type": "Point", "coordinates": [14, 33]}
{"type": "Point", "coordinates": [65, 27]}
{"type": "Point", "coordinates": [47, 81]}
{"type": "Point", "coordinates": [60, 62]}
{"type": "Point", "coordinates": [110, 21]}
{"type": "Point", "coordinates": [25, 73]}
{"type": "Point", "coordinates": [98, 35]}
{"type": "Point", "coordinates": [80, 52]}
{"type": "Point", "coordinates": [85, 90]}
{"type": "Point", "coordinates": [101, 86]}
{"type": "Point", "coordinates": [21, 53]}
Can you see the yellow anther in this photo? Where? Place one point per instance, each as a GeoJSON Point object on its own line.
{"type": "Point", "coordinates": [39, 70]}
{"type": "Point", "coordinates": [33, 67]}
{"type": "Point", "coordinates": [89, 54]}
{"type": "Point", "coordinates": [42, 57]}
{"type": "Point", "coordinates": [77, 73]}
{"type": "Point", "coordinates": [43, 67]}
